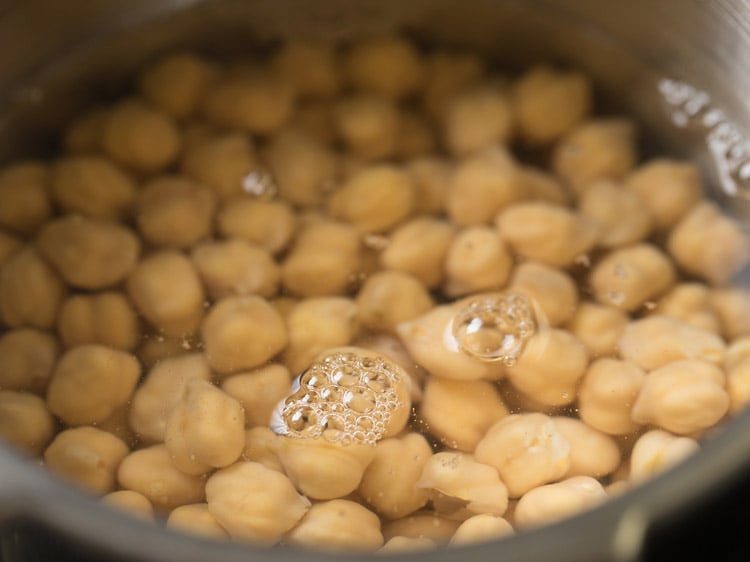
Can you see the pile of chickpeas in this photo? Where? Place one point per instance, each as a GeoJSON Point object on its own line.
{"type": "Point", "coordinates": [200, 243]}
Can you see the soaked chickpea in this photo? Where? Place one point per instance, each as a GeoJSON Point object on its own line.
{"type": "Point", "coordinates": [259, 391]}
{"type": "Point", "coordinates": [476, 119]}
{"type": "Point", "coordinates": [105, 318]}
{"type": "Point", "coordinates": [269, 224]}
{"type": "Point", "coordinates": [369, 125]}
{"type": "Point", "coordinates": [131, 502]}
{"type": "Point", "coordinates": [27, 357]}
{"type": "Point", "coordinates": [25, 202]}
{"type": "Point", "coordinates": [25, 421]}
{"type": "Point", "coordinates": [196, 519]}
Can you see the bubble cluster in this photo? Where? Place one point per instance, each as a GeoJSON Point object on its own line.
{"type": "Point", "coordinates": [495, 327]}
{"type": "Point", "coordinates": [259, 183]}
{"type": "Point", "coordinates": [343, 398]}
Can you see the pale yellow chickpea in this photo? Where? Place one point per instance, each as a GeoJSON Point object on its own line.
{"type": "Point", "coordinates": [481, 528]}
{"type": "Point", "coordinates": [89, 253]}
{"type": "Point", "coordinates": [656, 451]}
{"type": "Point", "coordinates": [544, 186]}
{"type": "Point", "coordinates": [389, 66]}
{"type": "Point", "coordinates": [160, 392]}
{"type": "Point", "coordinates": [150, 472]}
{"type": "Point", "coordinates": [174, 211]}
{"type": "Point", "coordinates": [196, 519]}
{"type": "Point", "coordinates": [30, 291]}
{"type": "Point", "coordinates": [622, 216]}
{"type": "Point", "coordinates": [177, 82]}
{"type": "Point", "coordinates": [709, 244]}
{"type": "Point", "coordinates": [84, 134]}
{"type": "Point", "coordinates": [477, 118]}
{"type": "Point", "coordinates": [90, 382]}
{"type": "Point", "coordinates": [552, 290]}
{"type": "Point", "coordinates": [388, 298]}
{"type": "Point", "coordinates": [255, 101]}
{"type": "Point", "coordinates": [459, 412]}
{"type": "Point", "coordinates": [655, 341]}
{"type": "Point", "coordinates": [130, 502]}
{"type": "Point", "coordinates": [166, 289]}
{"type": "Point", "coordinates": [206, 429]}
{"type": "Point", "coordinates": [682, 397]}
{"type": "Point", "coordinates": [596, 149]}
{"type": "Point", "coordinates": [482, 185]}
{"type": "Point", "coordinates": [549, 367]}
{"type": "Point", "coordinates": [737, 350]}
{"type": "Point", "coordinates": [628, 277]}
{"type": "Point", "coordinates": [323, 261]}
{"type": "Point", "coordinates": [220, 162]}
{"type": "Point", "coordinates": [140, 137]}
{"type": "Point", "coordinates": [690, 303]}
{"type": "Point", "coordinates": [732, 307]}
{"type": "Point", "coordinates": [598, 327]}
{"type": "Point", "coordinates": [25, 422]}
{"type": "Point", "coordinates": [86, 456]}
{"type": "Point", "coordinates": [302, 166]}
{"type": "Point", "coordinates": [24, 197]}
{"type": "Point", "coordinates": [106, 318]}
{"type": "Point", "coordinates": [592, 452]}
{"type": "Point", "coordinates": [317, 324]}
{"type": "Point", "coordinates": [389, 484]}
{"type": "Point", "coordinates": [552, 502]}
{"type": "Point", "coordinates": [422, 525]}
{"type": "Point", "coordinates": [27, 357]}
{"type": "Point", "coordinates": [547, 233]}
{"type": "Point", "coordinates": [447, 73]}
{"type": "Point", "coordinates": [254, 503]}
{"type": "Point", "coordinates": [338, 525]}
{"type": "Point", "coordinates": [399, 545]}
{"type": "Point", "coordinates": [416, 137]}
{"type": "Point", "coordinates": [240, 333]}
{"type": "Point", "coordinates": [478, 259]}
{"type": "Point", "coordinates": [259, 391]}
{"type": "Point", "coordinates": [369, 125]}
{"type": "Point", "coordinates": [607, 394]}
{"type": "Point", "coordinates": [527, 450]}
{"type": "Point", "coordinates": [430, 176]}
{"type": "Point", "coordinates": [8, 246]}
{"type": "Point", "coordinates": [270, 224]}
{"type": "Point", "coordinates": [92, 186]}
{"type": "Point", "coordinates": [738, 386]}
{"type": "Point", "coordinates": [668, 188]}
{"type": "Point", "coordinates": [262, 446]}
{"type": "Point", "coordinates": [311, 68]}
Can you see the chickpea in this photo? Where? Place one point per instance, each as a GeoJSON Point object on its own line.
{"type": "Point", "coordinates": [595, 149]}
{"type": "Point", "coordinates": [551, 502]}
{"type": "Point", "coordinates": [167, 291]}
{"type": "Point", "coordinates": [132, 503]}
{"type": "Point", "coordinates": [682, 397]}
{"type": "Point", "coordinates": [598, 327]}
{"type": "Point", "coordinates": [459, 412]}
{"type": "Point", "coordinates": [422, 525]}
{"type": "Point", "coordinates": [482, 185]}
{"type": "Point", "coordinates": [105, 318]}
{"type": "Point", "coordinates": [30, 291]}
{"type": "Point", "coordinates": [338, 525]}
{"type": "Point", "coordinates": [398, 545]}
{"type": "Point", "coordinates": [737, 351]}
{"type": "Point", "coordinates": [86, 456]}
{"type": "Point", "coordinates": [388, 298]}
{"type": "Point", "coordinates": [592, 452]}
{"type": "Point", "coordinates": [554, 291]}
{"type": "Point", "coordinates": [84, 134]}
{"type": "Point", "coordinates": [430, 177]}
{"type": "Point", "coordinates": [527, 450]}
{"type": "Point", "coordinates": [90, 382]}
{"type": "Point", "coordinates": [668, 188]}
{"type": "Point", "coordinates": [389, 66]}
{"type": "Point", "coordinates": [236, 268]}
{"type": "Point", "coordinates": [732, 307]}
{"type": "Point", "coordinates": [205, 430]}
{"type": "Point", "coordinates": [655, 341]}
{"type": "Point", "coordinates": [481, 528]}
{"type": "Point", "coordinates": [254, 101]}
{"type": "Point", "coordinates": [478, 260]}
{"type": "Point", "coordinates": [140, 138]}
{"type": "Point", "coordinates": [89, 253]}
{"type": "Point", "coordinates": [447, 75]}
{"type": "Point", "coordinates": [241, 333]}
{"type": "Point", "coordinates": [369, 125]}
{"type": "Point", "coordinates": [628, 277]}
{"type": "Point", "coordinates": [259, 391]}
{"type": "Point", "coordinates": [549, 367]}
{"type": "Point", "coordinates": [477, 118]}
{"type": "Point", "coordinates": [419, 247]}
{"type": "Point", "coordinates": [544, 186]}
{"type": "Point", "coordinates": [25, 422]}
{"type": "Point", "coordinates": [690, 303]}
{"type": "Point", "coordinates": [24, 199]}
{"type": "Point", "coordinates": [9, 245]}
{"type": "Point", "coordinates": [323, 261]}
{"type": "Point", "coordinates": [709, 244]}
{"type": "Point", "coordinates": [177, 83]}
{"type": "Point", "coordinates": [548, 103]}
{"type": "Point", "coordinates": [262, 446]}
{"type": "Point", "coordinates": [416, 137]}
{"type": "Point", "coordinates": [196, 519]}
{"type": "Point", "coordinates": [252, 502]}
{"type": "Point", "coordinates": [302, 166]}
{"type": "Point", "coordinates": [607, 394]}
{"type": "Point", "coordinates": [92, 186]}
{"type": "Point", "coordinates": [656, 451]}
{"type": "Point", "coordinates": [174, 211]}
{"type": "Point", "coordinates": [150, 472]}
{"type": "Point", "coordinates": [311, 68]}
{"type": "Point", "coordinates": [269, 224]}
{"type": "Point", "coordinates": [27, 356]}
{"type": "Point", "coordinates": [621, 215]}
{"type": "Point", "coordinates": [547, 233]}
{"type": "Point", "coordinates": [220, 162]}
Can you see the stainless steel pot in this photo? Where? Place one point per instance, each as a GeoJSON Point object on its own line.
{"type": "Point", "coordinates": [650, 58]}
